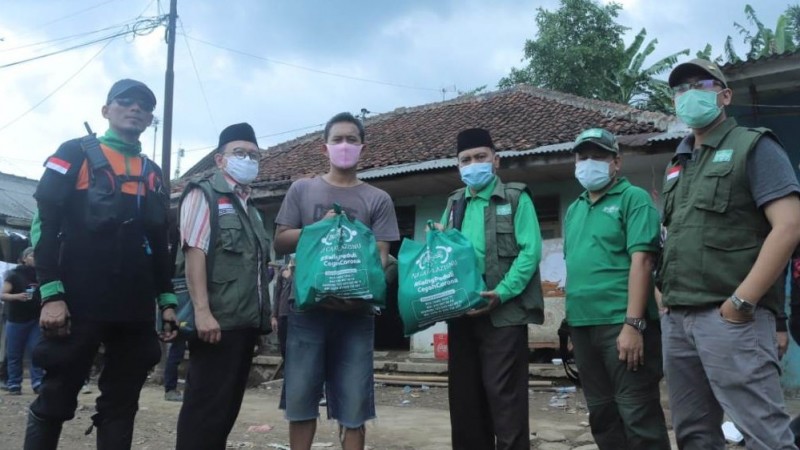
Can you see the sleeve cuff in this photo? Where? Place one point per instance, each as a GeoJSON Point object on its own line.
{"type": "Point", "coordinates": [502, 292]}
{"type": "Point", "coordinates": [167, 300]}
{"type": "Point", "coordinates": [647, 248]}
{"type": "Point", "coordinates": [51, 289]}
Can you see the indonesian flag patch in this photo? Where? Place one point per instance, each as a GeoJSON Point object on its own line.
{"type": "Point", "coordinates": [57, 164]}
{"type": "Point", "coordinates": [225, 206]}
{"type": "Point", "coordinates": [673, 172]}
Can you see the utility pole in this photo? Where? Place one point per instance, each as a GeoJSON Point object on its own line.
{"type": "Point", "coordinates": [155, 135]}
{"type": "Point", "coordinates": [181, 154]}
{"type": "Point", "coordinates": [169, 83]}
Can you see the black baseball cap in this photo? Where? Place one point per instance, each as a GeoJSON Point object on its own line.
{"type": "Point", "coordinates": [123, 86]}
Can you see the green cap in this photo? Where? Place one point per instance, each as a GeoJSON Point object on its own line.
{"type": "Point", "coordinates": [695, 67]}
{"type": "Point", "coordinates": [598, 137]}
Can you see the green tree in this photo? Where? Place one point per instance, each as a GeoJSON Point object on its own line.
{"type": "Point", "coordinates": [575, 50]}
{"type": "Point", "coordinates": [638, 86]}
{"type": "Point", "coordinates": [765, 41]}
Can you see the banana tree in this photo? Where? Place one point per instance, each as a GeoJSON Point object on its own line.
{"type": "Point", "coordinates": [636, 85]}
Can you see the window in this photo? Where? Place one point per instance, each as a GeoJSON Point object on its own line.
{"type": "Point", "coordinates": [548, 211]}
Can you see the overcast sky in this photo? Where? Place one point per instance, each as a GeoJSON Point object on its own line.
{"type": "Point", "coordinates": [283, 66]}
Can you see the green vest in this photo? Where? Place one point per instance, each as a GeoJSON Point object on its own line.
{"type": "Point", "coordinates": [714, 228]}
{"type": "Point", "coordinates": [236, 246]}
{"type": "Point", "coordinates": [501, 250]}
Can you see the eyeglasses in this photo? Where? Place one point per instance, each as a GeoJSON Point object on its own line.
{"type": "Point", "coordinates": [700, 85]}
{"type": "Point", "coordinates": [241, 153]}
{"type": "Point", "coordinates": [127, 102]}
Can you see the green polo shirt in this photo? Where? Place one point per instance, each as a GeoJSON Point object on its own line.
{"type": "Point", "coordinates": [599, 240]}
{"type": "Point", "coordinates": [526, 230]}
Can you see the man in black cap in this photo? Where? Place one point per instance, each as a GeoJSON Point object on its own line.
{"type": "Point", "coordinates": [102, 260]}
{"type": "Point", "coordinates": [731, 220]}
{"type": "Point", "coordinates": [488, 347]}
{"type": "Point", "coordinates": [225, 249]}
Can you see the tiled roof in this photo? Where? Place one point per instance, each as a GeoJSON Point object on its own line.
{"type": "Point", "coordinates": [16, 196]}
{"type": "Point", "coordinates": [519, 118]}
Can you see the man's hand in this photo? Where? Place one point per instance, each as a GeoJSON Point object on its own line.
{"type": "Point", "coordinates": [329, 215]}
{"type": "Point", "coordinates": [730, 314]}
{"type": "Point", "coordinates": [630, 345]}
{"type": "Point", "coordinates": [436, 226]}
{"type": "Point", "coordinates": [492, 298]}
{"type": "Point", "coordinates": [207, 327]}
{"type": "Point", "coordinates": [170, 327]}
{"type": "Point", "coordinates": [54, 319]}
{"type": "Point", "coordinates": [274, 323]}
{"type": "Point", "coordinates": [783, 343]}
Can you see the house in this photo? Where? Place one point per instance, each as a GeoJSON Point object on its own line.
{"type": "Point", "coordinates": [17, 207]}
{"type": "Point", "coordinates": [410, 154]}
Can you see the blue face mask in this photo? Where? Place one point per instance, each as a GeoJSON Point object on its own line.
{"type": "Point", "coordinates": [592, 175]}
{"type": "Point", "coordinates": [477, 175]}
{"type": "Point", "coordinates": [697, 108]}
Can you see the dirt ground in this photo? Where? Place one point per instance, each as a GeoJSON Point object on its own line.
{"type": "Point", "coordinates": [408, 419]}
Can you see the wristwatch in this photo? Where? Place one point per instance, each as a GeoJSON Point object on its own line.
{"type": "Point", "coordinates": [742, 305]}
{"type": "Point", "coordinates": [638, 323]}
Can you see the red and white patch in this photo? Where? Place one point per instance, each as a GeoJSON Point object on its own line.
{"type": "Point", "coordinates": [225, 206]}
{"type": "Point", "coordinates": [57, 164]}
{"type": "Point", "coordinates": [673, 172]}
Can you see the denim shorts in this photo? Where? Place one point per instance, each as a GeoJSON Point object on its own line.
{"type": "Point", "coordinates": [332, 349]}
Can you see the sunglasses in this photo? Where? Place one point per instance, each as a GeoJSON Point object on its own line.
{"type": "Point", "coordinates": [127, 102]}
{"type": "Point", "coordinates": [702, 85]}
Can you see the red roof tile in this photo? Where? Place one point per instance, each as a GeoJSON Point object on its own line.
{"type": "Point", "coordinates": [520, 118]}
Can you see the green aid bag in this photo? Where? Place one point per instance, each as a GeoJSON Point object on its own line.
{"type": "Point", "coordinates": [439, 279]}
{"type": "Point", "coordinates": [338, 258]}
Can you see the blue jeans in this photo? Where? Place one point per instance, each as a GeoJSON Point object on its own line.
{"type": "Point", "coordinates": [21, 339]}
{"type": "Point", "coordinates": [335, 350]}
{"type": "Point", "coordinates": [174, 358]}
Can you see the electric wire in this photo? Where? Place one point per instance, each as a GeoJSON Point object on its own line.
{"type": "Point", "coordinates": [310, 69]}
{"type": "Point", "coordinates": [57, 87]}
{"type": "Point", "coordinates": [134, 29]}
{"type": "Point", "coordinates": [263, 136]}
{"type": "Point", "coordinates": [81, 11]}
{"type": "Point", "coordinates": [199, 81]}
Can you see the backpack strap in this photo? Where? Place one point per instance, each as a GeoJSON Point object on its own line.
{"type": "Point", "coordinates": [94, 154]}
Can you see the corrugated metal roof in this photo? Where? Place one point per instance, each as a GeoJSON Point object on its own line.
{"type": "Point", "coordinates": [16, 196]}
{"type": "Point", "coordinates": [758, 59]}
{"type": "Point", "coordinates": [445, 163]}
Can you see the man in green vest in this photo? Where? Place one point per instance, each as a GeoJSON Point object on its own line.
{"type": "Point", "coordinates": [731, 220]}
{"type": "Point", "coordinates": [610, 238]}
{"type": "Point", "coordinates": [488, 347]}
{"type": "Point", "coordinates": [232, 307]}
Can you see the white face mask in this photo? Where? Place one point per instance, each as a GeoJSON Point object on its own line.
{"type": "Point", "coordinates": [244, 171]}
{"type": "Point", "coordinates": [592, 175]}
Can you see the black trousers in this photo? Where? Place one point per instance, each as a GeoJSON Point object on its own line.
{"type": "Point", "coordinates": [131, 350]}
{"type": "Point", "coordinates": [283, 326]}
{"type": "Point", "coordinates": [488, 385]}
{"type": "Point", "coordinates": [215, 385]}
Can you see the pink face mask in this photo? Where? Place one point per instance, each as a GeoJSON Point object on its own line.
{"type": "Point", "coordinates": [344, 155]}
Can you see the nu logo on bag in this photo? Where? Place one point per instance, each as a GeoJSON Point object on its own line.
{"type": "Point", "coordinates": [342, 232]}
{"type": "Point", "coordinates": [440, 255]}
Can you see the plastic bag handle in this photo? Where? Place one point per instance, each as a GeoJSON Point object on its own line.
{"type": "Point", "coordinates": [430, 225]}
{"type": "Point", "coordinates": [337, 208]}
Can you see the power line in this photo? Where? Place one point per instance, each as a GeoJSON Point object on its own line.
{"type": "Point", "coordinates": [134, 29]}
{"type": "Point", "coordinates": [199, 81]}
{"type": "Point", "coordinates": [65, 38]}
{"type": "Point", "coordinates": [310, 69]}
{"type": "Point", "coordinates": [209, 147]}
{"type": "Point", "coordinates": [57, 88]}
{"type": "Point", "coordinates": [89, 8]}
